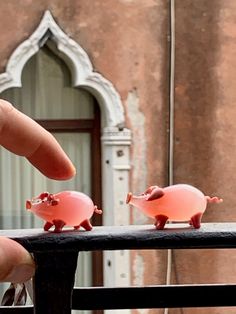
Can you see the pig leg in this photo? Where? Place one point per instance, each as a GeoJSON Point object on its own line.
{"type": "Point", "coordinates": [86, 225]}
{"type": "Point", "coordinates": [195, 220]}
{"type": "Point", "coordinates": [160, 221]}
{"type": "Point", "coordinates": [47, 226]}
{"type": "Point", "coordinates": [59, 224]}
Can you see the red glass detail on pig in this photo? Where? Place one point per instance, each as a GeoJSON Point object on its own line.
{"type": "Point", "coordinates": [67, 208]}
{"type": "Point", "coordinates": [177, 203]}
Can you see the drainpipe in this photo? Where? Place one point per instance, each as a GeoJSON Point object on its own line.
{"type": "Point", "coordinates": [171, 122]}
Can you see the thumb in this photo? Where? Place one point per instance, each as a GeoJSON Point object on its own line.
{"type": "Point", "coordinates": [16, 264]}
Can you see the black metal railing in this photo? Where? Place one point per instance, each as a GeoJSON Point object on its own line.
{"type": "Point", "coordinates": [56, 260]}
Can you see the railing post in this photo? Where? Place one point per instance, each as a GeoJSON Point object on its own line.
{"type": "Point", "coordinates": [54, 282]}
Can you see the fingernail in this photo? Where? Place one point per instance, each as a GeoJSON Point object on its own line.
{"type": "Point", "coordinates": [20, 273]}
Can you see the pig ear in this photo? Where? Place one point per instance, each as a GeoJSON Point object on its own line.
{"type": "Point", "coordinates": [43, 195]}
{"type": "Point", "coordinates": [150, 189]}
{"type": "Point", "coordinates": [155, 194]}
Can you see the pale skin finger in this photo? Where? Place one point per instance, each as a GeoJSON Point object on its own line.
{"type": "Point", "coordinates": [23, 136]}
{"type": "Point", "coordinates": [16, 264]}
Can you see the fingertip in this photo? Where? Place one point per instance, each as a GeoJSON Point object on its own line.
{"type": "Point", "coordinates": [62, 174]}
{"type": "Point", "coordinates": [52, 161]}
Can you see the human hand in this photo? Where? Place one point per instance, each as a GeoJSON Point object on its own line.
{"type": "Point", "coordinates": [23, 136]}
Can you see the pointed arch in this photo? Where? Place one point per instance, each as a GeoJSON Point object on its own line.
{"type": "Point", "coordinates": [78, 62]}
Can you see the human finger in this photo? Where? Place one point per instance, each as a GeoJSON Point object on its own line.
{"type": "Point", "coordinates": [23, 136]}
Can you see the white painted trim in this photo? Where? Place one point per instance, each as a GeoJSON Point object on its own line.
{"type": "Point", "coordinates": [115, 168]}
{"type": "Point", "coordinates": [78, 62]}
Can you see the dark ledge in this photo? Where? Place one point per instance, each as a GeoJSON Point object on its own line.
{"type": "Point", "coordinates": [174, 236]}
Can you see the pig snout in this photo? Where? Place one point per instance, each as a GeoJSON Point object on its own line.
{"type": "Point", "coordinates": [28, 204]}
{"type": "Point", "coordinates": [128, 198]}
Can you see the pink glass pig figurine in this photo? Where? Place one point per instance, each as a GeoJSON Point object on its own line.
{"type": "Point", "coordinates": [67, 208]}
{"type": "Point", "coordinates": [177, 203]}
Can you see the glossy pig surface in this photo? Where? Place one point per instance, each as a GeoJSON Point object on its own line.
{"type": "Point", "coordinates": [67, 208]}
{"type": "Point", "coordinates": [180, 202]}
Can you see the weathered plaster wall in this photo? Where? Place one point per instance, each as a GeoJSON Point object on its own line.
{"type": "Point", "coordinates": [205, 128]}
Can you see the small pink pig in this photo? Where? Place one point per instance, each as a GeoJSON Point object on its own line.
{"type": "Point", "coordinates": [180, 202]}
{"type": "Point", "coordinates": [67, 208]}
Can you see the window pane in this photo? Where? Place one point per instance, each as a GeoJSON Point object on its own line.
{"type": "Point", "coordinates": [78, 148]}
{"type": "Point", "coordinates": [21, 181]}
{"type": "Point", "coordinates": [47, 92]}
